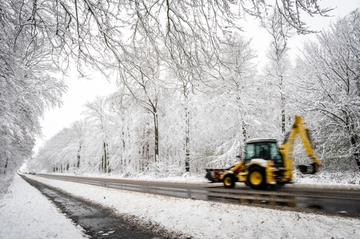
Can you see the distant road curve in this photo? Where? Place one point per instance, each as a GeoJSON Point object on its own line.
{"type": "Point", "coordinates": [338, 201]}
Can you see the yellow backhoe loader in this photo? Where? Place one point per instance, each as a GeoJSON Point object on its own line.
{"type": "Point", "coordinates": [265, 163]}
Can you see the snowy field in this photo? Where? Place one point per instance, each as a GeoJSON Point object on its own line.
{"type": "Point", "coordinates": [25, 213]}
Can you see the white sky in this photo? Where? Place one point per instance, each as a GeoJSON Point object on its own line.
{"type": "Point", "coordinates": [260, 38]}
{"type": "Point", "coordinates": [81, 91]}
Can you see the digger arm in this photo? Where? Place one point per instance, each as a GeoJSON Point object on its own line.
{"type": "Point", "coordinates": [304, 136]}
{"type": "Point", "coordinates": [287, 149]}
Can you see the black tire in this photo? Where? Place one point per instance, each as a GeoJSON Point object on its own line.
{"type": "Point", "coordinates": [229, 181]}
{"type": "Point", "coordinates": [256, 178]}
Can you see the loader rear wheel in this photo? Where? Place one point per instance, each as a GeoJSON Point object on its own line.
{"type": "Point", "coordinates": [229, 181]}
{"type": "Point", "coordinates": [256, 178]}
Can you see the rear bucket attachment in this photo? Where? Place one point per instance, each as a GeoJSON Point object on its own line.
{"type": "Point", "coordinates": [214, 175]}
{"type": "Point", "coordinates": [209, 177]}
{"type": "Point", "coordinates": [307, 169]}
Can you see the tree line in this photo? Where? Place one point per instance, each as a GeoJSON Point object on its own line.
{"type": "Point", "coordinates": [165, 122]}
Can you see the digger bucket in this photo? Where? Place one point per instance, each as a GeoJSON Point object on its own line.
{"type": "Point", "coordinates": [308, 169]}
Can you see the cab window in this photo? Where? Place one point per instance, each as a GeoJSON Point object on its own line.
{"type": "Point", "coordinates": [263, 150]}
{"type": "Point", "coordinates": [249, 152]}
{"type": "Point", "coordinates": [275, 154]}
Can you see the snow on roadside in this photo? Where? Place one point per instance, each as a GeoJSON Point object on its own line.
{"type": "Point", "coordinates": [202, 219]}
{"type": "Point", "coordinates": [26, 213]}
{"type": "Point", "coordinates": [347, 179]}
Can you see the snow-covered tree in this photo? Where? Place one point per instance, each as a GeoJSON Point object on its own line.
{"type": "Point", "coordinates": [330, 77]}
{"type": "Point", "coordinates": [100, 32]}
{"type": "Point", "coordinates": [278, 67]}
{"type": "Point", "coordinates": [59, 154]}
{"type": "Point", "coordinates": [97, 113]}
{"type": "Point", "coordinates": [233, 104]}
{"type": "Point", "coordinates": [27, 83]}
{"type": "Point", "coordinates": [143, 82]}
{"type": "Point", "coordinates": [123, 137]}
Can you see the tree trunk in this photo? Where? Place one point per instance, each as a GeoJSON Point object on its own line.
{"type": "Point", "coordinates": [357, 159]}
{"type": "Point", "coordinates": [282, 99]}
{"type": "Point", "coordinates": [156, 135]}
{"type": "Point", "coordinates": [78, 157]}
{"type": "Point", "coordinates": [244, 132]}
{"type": "Point", "coordinates": [356, 154]}
{"type": "Point", "coordinates": [187, 140]}
{"type": "Point", "coordinates": [105, 161]}
{"type": "Point", "coordinates": [6, 164]}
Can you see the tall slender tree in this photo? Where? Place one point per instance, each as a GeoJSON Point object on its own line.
{"type": "Point", "coordinates": [97, 111]}
{"type": "Point", "coordinates": [277, 70]}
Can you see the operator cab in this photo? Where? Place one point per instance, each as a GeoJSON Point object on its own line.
{"type": "Point", "coordinates": [263, 149]}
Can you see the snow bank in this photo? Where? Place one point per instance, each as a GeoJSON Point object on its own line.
{"type": "Point", "coordinates": [345, 179]}
{"type": "Point", "coordinates": [26, 213]}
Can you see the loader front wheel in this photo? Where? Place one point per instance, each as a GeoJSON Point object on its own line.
{"type": "Point", "coordinates": [256, 178]}
{"type": "Point", "coordinates": [229, 181]}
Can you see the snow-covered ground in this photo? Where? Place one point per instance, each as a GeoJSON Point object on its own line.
{"type": "Point", "coordinates": [25, 213]}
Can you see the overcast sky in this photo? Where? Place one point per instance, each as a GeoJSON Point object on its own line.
{"type": "Point", "coordinates": [81, 91]}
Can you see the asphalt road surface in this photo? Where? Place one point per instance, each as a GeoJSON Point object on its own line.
{"type": "Point", "coordinates": [317, 200]}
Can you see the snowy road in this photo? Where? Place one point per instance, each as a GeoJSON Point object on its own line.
{"type": "Point", "coordinates": [317, 200]}
{"type": "Point", "coordinates": [24, 213]}
{"type": "Point", "coordinates": [97, 221]}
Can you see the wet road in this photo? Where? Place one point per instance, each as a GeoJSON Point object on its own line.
{"type": "Point", "coordinates": [319, 200]}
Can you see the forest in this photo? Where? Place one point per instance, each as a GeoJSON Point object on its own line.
{"type": "Point", "coordinates": [189, 89]}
